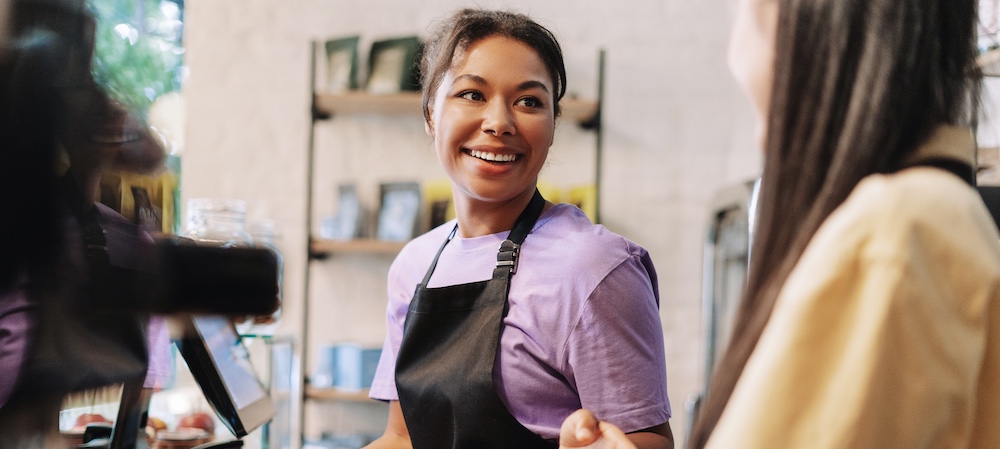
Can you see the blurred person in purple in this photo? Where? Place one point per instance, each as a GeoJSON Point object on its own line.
{"type": "Point", "coordinates": [59, 132]}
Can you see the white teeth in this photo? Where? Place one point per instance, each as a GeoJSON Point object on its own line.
{"type": "Point", "coordinates": [492, 156]}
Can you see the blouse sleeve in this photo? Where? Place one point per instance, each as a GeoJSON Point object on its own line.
{"type": "Point", "coordinates": [16, 326]}
{"type": "Point", "coordinates": [876, 340]}
{"type": "Point", "coordinates": [615, 352]}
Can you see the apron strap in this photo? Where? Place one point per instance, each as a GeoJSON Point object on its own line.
{"type": "Point", "coordinates": [430, 271]}
{"type": "Point", "coordinates": [507, 255]}
{"type": "Point", "coordinates": [527, 219]}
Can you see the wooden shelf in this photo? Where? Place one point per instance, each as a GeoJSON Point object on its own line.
{"type": "Point", "coordinates": [408, 103]}
{"type": "Point", "coordinates": [321, 247]}
{"type": "Point", "coordinates": [336, 394]}
{"type": "Point", "coordinates": [579, 111]}
{"type": "Point", "coordinates": [404, 103]}
{"type": "Point", "coordinates": [989, 62]}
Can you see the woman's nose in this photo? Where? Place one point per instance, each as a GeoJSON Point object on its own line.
{"type": "Point", "coordinates": [498, 119]}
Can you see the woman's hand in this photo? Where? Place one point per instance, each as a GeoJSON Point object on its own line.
{"type": "Point", "coordinates": [583, 430]}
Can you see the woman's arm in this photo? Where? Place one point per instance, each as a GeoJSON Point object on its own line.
{"type": "Point", "coordinates": [616, 354]}
{"type": "Point", "coordinates": [583, 429]}
{"type": "Point", "coordinates": [656, 437]}
{"type": "Point", "coordinates": [396, 435]}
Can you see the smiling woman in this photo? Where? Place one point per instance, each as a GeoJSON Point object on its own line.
{"type": "Point", "coordinates": [476, 356]}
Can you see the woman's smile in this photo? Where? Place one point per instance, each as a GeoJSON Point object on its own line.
{"type": "Point", "coordinates": [491, 156]}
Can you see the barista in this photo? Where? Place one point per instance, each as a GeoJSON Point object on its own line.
{"type": "Point", "coordinates": [567, 316]}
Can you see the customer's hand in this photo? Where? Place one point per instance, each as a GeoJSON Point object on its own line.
{"type": "Point", "coordinates": [583, 430]}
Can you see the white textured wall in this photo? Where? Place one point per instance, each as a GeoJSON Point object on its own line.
{"type": "Point", "coordinates": [676, 130]}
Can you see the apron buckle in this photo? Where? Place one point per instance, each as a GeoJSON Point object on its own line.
{"type": "Point", "coordinates": [507, 257]}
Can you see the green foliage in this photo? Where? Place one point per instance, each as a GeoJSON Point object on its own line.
{"type": "Point", "coordinates": [138, 52]}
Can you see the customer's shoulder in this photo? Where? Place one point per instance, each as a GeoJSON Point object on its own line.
{"type": "Point", "coordinates": [920, 196]}
{"type": "Point", "coordinates": [920, 207]}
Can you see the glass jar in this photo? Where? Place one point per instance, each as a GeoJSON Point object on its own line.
{"type": "Point", "coordinates": [218, 222]}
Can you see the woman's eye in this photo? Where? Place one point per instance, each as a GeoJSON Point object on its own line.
{"type": "Point", "coordinates": [471, 95]}
{"type": "Point", "coordinates": [530, 102]}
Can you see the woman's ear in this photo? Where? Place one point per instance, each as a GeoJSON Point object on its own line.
{"type": "Point", "coordinates": [429, 124]}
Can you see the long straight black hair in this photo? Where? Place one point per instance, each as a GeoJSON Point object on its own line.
{"type": "Point", "coordinates": [858, 86]}
{"type": "Point", "coordinates": [47, 50]}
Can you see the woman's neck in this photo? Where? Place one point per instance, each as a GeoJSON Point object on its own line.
{"type": "Point", "coordinates": [477, 218]}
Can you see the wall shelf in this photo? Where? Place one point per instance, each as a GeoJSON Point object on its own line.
{"type": "Point", "coordinates": [325, 247]}
{"type": "Point", "coordinates": [337, 394]}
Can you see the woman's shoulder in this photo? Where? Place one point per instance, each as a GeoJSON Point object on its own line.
{"type": "Point", "coordinates": [920, 204]}
{"type": "Point", "coordinates": [919, 196]}
{"type": "Point", "coordinates": [568, 227]}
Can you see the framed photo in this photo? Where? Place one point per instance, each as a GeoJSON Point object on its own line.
{"type": "Point", "coordinates": [438, 202]}
{"type": "Point", "coordinates": [342, 64]}
{"type": "Point", "coordinates": [585, 197]}
{"type": "Point", "coordinates": [392, 65]}
{"type": "Point", "coordinates": [398, 218]}
{"type": "Point", "coordinates": [347, 223]}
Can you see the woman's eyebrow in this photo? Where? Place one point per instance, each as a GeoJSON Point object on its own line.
{"type": "Point", "coordinates": [474, 78]}
{"type": "Point", "coordinates": [532, 84]}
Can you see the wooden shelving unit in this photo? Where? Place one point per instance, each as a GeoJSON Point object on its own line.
{"type": "Point", "coordinates": [404, 103]}
{"type": "Point", "coordinates": [337, 394]}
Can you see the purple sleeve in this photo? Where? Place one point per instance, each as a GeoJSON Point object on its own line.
{"type": "Point", "coordinates": [16, 326]}
{"type": "Point", "coordinates": [615, 353]}
{"type": "Point", "coordinates": [132, 248]}
{"type": "Point", "coordinates": [384, 384]}
{"type": "Point", "coordinates": [160, 373]}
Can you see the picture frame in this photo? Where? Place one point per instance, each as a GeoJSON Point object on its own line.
{"type": "Point", "coordinates": [342, 64]}
{"type": "Point", "coordinates": [399, 213]}
{"type": "Point", "coordinates": [438, 202]}
{"type": "Point", "coordinates": [583, 196]}
{"type": "Point", "coordinates": [348, 221]}
{"type": "Point", "coordinates": [392, 65]}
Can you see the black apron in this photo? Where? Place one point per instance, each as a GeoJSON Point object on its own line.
{"type": "Point", "coordinates": [444, 369]}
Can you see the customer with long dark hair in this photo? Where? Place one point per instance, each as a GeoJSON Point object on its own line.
{"type": "Point", "coordinates": [872, 311]}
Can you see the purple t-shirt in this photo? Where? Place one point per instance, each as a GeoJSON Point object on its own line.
{"type": "Point", "coordinates": [132, 249]}
{"type": "Point", "coordinates": [17, 319]}
{"type": "Point", "coordinates": [583, 328]}
{"type": "Point", "coordinates": [126, 248]}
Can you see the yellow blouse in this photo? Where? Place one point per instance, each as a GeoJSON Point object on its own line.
{"type": "Point", "coordinates": [887, 332]}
